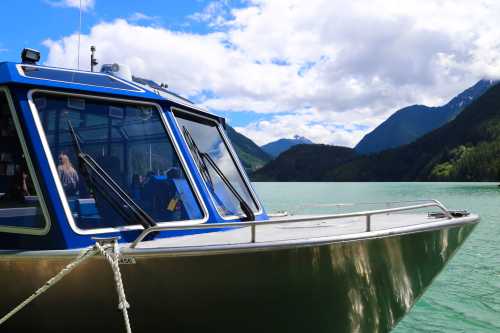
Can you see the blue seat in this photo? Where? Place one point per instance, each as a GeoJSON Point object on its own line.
{"type": "Point", "coordinates": [88, 214]}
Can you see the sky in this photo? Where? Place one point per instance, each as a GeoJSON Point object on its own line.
{"type": "Point", "coordinates": [325, 69]}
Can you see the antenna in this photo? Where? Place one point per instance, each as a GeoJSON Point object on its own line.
{"type": "Point", "coordinates": [79, 33]}
{"type": "Point", "coordinates": [93, 60]}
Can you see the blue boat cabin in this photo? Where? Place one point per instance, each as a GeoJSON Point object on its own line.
{"type": "Point", "coordinates": [86, 154]}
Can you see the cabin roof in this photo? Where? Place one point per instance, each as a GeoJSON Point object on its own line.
{"type": "Point", "coordinates": [45, 77]}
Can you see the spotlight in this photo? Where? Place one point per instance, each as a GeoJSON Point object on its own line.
{"type": "Point", "coordinates": [30, 56]}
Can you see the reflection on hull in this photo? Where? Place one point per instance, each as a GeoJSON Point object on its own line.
{"type": "Point", "coordinates": [359, 286]}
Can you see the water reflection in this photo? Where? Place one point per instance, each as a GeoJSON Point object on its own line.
{"type": "Point", "coordinates": [381, 279]}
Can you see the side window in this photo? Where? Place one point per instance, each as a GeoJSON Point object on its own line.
{"type": "Point", "coordinates": [20, 207]}
{"type": "Point", "coordinates": [206, 142]}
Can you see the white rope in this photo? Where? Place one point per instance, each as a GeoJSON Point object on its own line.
{"type": "Point", "coordinates": [113, 259]}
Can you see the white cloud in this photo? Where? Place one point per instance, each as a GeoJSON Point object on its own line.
{"type": "Point", "coordinates": [214, 13]}
{"type": "Point", "coordinates": [86, 4]}
{"type": "Point", "coordinates": [328, 70]}
{"type": "Point", "coordinates": [138, 16]}
{"type": "Point", "coordinates": [320, 127]}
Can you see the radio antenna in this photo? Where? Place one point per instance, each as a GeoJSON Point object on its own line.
{"type": "Point", "coordinates": [79, 33]}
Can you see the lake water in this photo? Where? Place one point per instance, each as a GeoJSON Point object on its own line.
{"type": "Point", "coordinates": [465, 297]}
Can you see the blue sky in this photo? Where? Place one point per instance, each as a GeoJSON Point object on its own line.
{"type": "Point", "coordinates": [33, 21]}
{"type": "Point", "coordinates": [329, 70]}
{"type": "Point", "coordinates": [55, 19]}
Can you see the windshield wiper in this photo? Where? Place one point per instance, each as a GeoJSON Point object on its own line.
{"type": "Point", "coordinates": [121, 201]}
{"type": "Point", "coordinates": [202, 166]}
{"type": "Point", "coordinates": [200, 158]}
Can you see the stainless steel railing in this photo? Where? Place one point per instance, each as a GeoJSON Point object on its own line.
{"type": "Point", "coordinates": [253, 224]}
{"type": "Point", "coordinates": [357, 204]}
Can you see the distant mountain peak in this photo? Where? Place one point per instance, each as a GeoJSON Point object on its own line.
{"type": "Point", "coordinates": [302, 138]}
{"type": "Point", "coordinates": [277, 147]}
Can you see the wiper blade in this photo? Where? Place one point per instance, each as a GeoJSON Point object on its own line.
{"type": "Point", "coordinates": [250, 216]}
{"type": "Point", "coordinates": [205, 173]}
{"type": "Point", "coordinates": [200, 158]}
{"type": "Point", "coordinates": [86, 163]}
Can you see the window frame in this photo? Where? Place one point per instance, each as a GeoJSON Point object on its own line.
{"type": "Point", "coordinates": [232, 154]}
{"type": "Point", "coordinates": [31, 169]}
{"type": "Point", "coordinates": [59, 187]}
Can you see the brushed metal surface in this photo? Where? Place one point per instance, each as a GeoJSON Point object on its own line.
{"type": "Point", "coordinates": [358, 286]}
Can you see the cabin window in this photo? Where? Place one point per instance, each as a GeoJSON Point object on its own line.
{"type": "Point", "coordinates": [20, 207]}
{"type": "Point", "coordinates": [208, 139]}
{"type": "Point", "coordinates": [130, 144]}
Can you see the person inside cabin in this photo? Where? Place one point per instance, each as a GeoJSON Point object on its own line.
{"type": "Point", "coordinates": [136, 186]}
{"type": "Point", "coordinates": [18, 187]}
{"type": "Point", "coordinates": [68, 175]}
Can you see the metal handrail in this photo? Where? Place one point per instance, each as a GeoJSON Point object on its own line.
{"type": "Point", "coordinates": [350, 204]}
{"type": "Point", "coordinates": [253, 224]}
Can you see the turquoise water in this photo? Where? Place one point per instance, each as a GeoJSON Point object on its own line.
{"type": "Point", "coordinates": [465, 297]}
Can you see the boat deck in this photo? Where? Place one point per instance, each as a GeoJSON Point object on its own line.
{"type": "Point", "coordinates": [297, 230]}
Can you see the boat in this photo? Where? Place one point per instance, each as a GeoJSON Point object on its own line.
{"type": "Point", "coordinates": [149, 184]}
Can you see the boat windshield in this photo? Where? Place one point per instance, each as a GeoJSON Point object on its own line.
{"type": "Point", "coordinates": [129, 144]}
{"type": "Point", "coordinates": [208, 140]}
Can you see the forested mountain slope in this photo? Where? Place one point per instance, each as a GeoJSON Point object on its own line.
{"type": "Point", "coordinates": [412, 122]}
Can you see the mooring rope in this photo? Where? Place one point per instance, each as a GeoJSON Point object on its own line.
{"type": "Point", "coordinates": [111, 252]}
{"type": "Point", "coordinates": [113, 259]}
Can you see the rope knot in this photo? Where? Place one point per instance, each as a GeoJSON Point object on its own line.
{"type": "Point", "coordinates": [123, 304]}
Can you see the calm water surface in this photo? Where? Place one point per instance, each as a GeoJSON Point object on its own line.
{"type": "Point", "coordinates": [466, 295]}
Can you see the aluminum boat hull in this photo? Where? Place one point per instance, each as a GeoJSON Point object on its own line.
{"type": "Point", "coordinates": [364, 285]}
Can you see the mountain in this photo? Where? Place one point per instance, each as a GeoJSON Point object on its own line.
{"type": "Point", "coordinates": [465, 149]}
{"type": "Point", "coordinates": [251, 156]}
{"type": "Point", "coordinates": [412, 122]}
{"type": "Point", "coordinates": [304, 162]}
{"type": "Point", "coordinates": [277, 147]}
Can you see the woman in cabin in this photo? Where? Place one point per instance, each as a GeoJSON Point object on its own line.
{"type": "Point", "coordinates": [68, 175]}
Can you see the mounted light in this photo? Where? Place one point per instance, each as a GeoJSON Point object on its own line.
{"type": "Point", "coordinates": [30, 56]}
{"type": "Point", "coordinates": [117, 70]}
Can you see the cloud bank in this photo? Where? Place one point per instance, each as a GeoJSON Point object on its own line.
{"type": "Point", "coordinates": [327, 70]}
